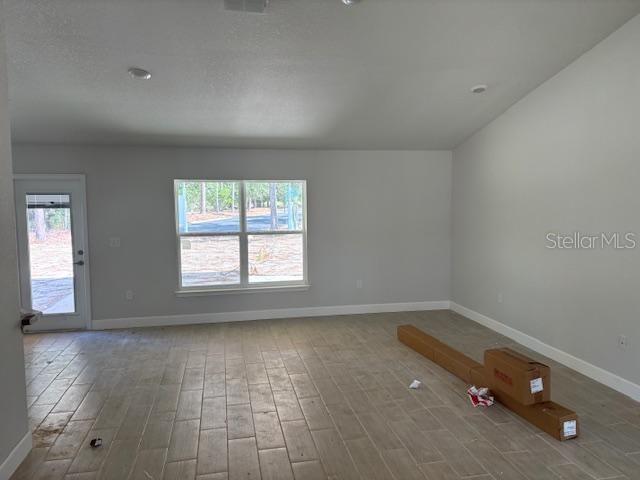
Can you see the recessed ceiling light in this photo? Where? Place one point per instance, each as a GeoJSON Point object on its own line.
{"type": "Point", "coordinates": [350, 3]}
{"type": "Point", "coordinates": [479, 89]}
{"type": "Point", "coordinates": [140, 73]}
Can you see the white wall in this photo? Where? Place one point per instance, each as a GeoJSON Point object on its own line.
{"type": "Point", "coordinates": [565, 158]}
{"type": "Point", "coordinates": [383, 217]}
{"type": "Point", "coordinates": [13, 405]}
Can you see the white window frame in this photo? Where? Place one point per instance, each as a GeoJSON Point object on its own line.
{"type": "Point", "coordinates": [244, 285]}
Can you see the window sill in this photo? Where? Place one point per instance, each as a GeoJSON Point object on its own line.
{"type": "Point", "coordinates": [239, 291]}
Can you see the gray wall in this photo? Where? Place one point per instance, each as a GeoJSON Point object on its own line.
{"type": "Point", "coordinates": [565, 158]}
{"type": "Point", "coordinates": [383, 217]}
{"type": "Point", "coordinates": [13, 405]}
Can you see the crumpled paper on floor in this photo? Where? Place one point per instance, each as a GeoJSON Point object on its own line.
{"type": "Point", "coordinates": [480, 396]}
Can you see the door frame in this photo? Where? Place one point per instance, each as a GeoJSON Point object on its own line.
{"type": "Point", "coordinates": [23, 256]}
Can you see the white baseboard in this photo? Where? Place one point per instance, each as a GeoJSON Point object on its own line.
{"type": "Point", "coordinates": [15, 458]}
{"type": "Point", "coordinates": [598, 374]}
{"type": "Point", "coordinates": [167, 320]}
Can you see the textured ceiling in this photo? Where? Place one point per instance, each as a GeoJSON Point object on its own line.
{"type": "Point", "coordinates": [385, 74]}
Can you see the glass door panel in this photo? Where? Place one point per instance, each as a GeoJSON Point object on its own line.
{"type": "Point", "coordinates": [51, 253]}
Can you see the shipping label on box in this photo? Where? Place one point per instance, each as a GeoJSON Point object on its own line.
{"type": "Point", "coordinates": [570, 428]}
{"type": "Point", "coordinates": [536, 385]}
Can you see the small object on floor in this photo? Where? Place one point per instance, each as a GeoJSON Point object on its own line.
{"type": "Point", "coordinates": [28, 318]}
{"type": "Point", "coordinates": [415, 384]}
{"type": "Point", "coordinates": [95, 443]}
{"type": "Point", "coordinates": [480, 396]}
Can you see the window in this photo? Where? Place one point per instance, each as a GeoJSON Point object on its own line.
{"type": "Point", "coordinates": [241, 234]}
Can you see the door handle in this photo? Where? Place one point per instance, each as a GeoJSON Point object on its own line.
{"type": "Point", "coordinates": [79, 262]}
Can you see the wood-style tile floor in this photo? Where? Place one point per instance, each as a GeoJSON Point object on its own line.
{"type": "Point", "coordinates": [299, 399]}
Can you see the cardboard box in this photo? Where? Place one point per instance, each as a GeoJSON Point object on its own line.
{"type": "Point", "coordinates": [518, 376]}
{"type": "Point", "coordinates": [419, 341]}
{"type": "Point", "coordinates": [438, 352]}
{"type": "Point", "coordinates": [455, 362]}
{"type": "Point", "coordinates": [479, 378]}
{"type": "Point", "coordinates": [556, 420]}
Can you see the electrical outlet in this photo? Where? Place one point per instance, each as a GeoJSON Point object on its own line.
{"type": "Point", "coordinates": [500, 297]}
{"type": "Point", "coordinates": [358, 283]}
{"type": "Point", "coordinates": [128, 294]}
{"type": "Point", "coordinates": [114, 242]}
{"type": "Point", "coordinates": [623, 342]}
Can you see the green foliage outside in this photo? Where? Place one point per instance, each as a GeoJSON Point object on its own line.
{"type": "Point", "coordinates": [49, 218]}
{"type": "Point", "coordinates": [224, 196]}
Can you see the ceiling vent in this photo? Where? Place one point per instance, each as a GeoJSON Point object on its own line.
{"type": "Point", "coordinates": [253, 6]}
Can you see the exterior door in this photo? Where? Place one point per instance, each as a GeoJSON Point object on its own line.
{"type": "Point", "coordinates": [52, 249]}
